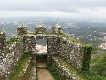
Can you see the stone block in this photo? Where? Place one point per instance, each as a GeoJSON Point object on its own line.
{"type": "Point", "coordinates": [40, 29]}
{"type": "Point", "coordinates": [57, 29]}
{"type": "Point", "coordinates": [21, 30]}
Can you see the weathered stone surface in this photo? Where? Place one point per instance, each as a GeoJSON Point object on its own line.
{"type": "Point", "coordinates": [64, 70]}
{"type": "Point", "coordinates": [21, 30]}
{"type": "Point", "coordinates": [57, 29]}
{"type": "Point", "coordinates": [57, 46]}
{"type": "Point", "coordinates": [12, 55]}
{"type": "Point", "coordinates": [40, 29]}
{"type": "Point", "coordinates": [29, 43]}
{"type": "Point", "coordinates": [71, 52]}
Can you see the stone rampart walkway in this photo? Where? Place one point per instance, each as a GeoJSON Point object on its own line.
{"type": "Point", "coordinates": [42, 72]}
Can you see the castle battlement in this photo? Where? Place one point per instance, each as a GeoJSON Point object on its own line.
{"type": "Point", "coordinates": [62, 51]}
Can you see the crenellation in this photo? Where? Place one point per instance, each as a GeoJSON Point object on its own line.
{"type": "Point", "coordinates": [21, 30]}
{"type": "Point", "coordinates": [59, 49]}
{"type": "Point", "coordinates": [40, 29]}
{"type": "Point", "coordinates": [57, 29]}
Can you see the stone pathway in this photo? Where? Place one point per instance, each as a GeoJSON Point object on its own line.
{"type": "Point", "coordinates": [44, 74]}
{"type": "Point", "coordinates": [41, 64]}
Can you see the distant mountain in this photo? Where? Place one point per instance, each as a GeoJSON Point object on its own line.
{"type": "Point", "coordinates": [88, 31]}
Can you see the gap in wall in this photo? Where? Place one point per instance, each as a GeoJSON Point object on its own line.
{"type": "Point", "coordinates": [41, 48]}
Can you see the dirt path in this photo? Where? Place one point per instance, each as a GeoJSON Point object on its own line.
{"type": "Point", "coordinates": [44, 74]}
{"type": "Point", "coordinates": [41, 64]}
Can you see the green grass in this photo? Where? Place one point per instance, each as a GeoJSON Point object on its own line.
{"type": "Point", "coordinates": [18, 70]}
{"type": "Point", "coordinates": [32, 33]}
{"type": "Point", "coordinates": [98, 63]}
{"type": "Point", "coordinates": [13, 39]}
{"type": "Point", "coordinates": [54, 73]}
{"type": "Point", "coordinates": [98, 66]}
{"type": "Point", "coordinates": [70, 38]}
{"type": "Point", "coordinates": [90, 75]}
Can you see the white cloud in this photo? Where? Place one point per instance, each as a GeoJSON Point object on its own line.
{"type": "Point", "coordinates": [75, 8]}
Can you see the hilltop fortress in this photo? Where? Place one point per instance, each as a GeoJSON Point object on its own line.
{"type": "Point", "coordinates": [63, 52]}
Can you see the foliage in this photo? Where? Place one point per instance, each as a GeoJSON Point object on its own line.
{"type": "Point", "coordinates": [13, 39]}
{"type": "Point", "coordinates": [91, 76]}
{"type": "Point", "coordinates": [98, 66]}
{"type": "Point", "coordinates": [54, 73]}
{"type": "Point", "coordinates": [86, 57]}
{"type": "Point", "coordinates": [98, 62]}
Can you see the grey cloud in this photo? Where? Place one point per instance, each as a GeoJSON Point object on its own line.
{"type": "Point", "coordinates": [50, 5]}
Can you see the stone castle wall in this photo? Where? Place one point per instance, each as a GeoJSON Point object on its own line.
{"type": "Point", "coordinates": [29, 42]}
{"type": "Point", "coordinates": [70, 52]}
{"type": "Point", "coordinates": [10, 57]}
{"type": "Point", "coordinates": [64, 70]}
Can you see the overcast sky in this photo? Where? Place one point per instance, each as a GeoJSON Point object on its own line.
{"type": "Point", "coordinates": [76, 8]}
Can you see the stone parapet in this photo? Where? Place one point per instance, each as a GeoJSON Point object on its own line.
{"type": "Point", "coordinates": [71, 52]}
{"type": "Point", "coordinates": [40, 29]}
{"type": "Point", "coordinates": [57, 29]}
{"type": "Point", "coordinates": [65, 71]}
{"type": "Point", "coordinates": [58, 45]}
{"type": "Point", "coordinates": [21, 30]}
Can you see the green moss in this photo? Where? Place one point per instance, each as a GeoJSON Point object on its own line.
{"type": "Point", "coordinates": [17, 72]}
{"type": "Point", "coordinates": [61, 35]}
{"type": "Point", "coordinates": [54, 73]}
{"type": "Point", "coordinates": [86, 57]}
{"type": "Point", "coordinates": [70, 67]}
{"type": "Point", "coordinates": [72, 39]}
{"type": "Point", "coordinates": [32, 33]}
{"type": "Point", "coordinates": [13, 39]}
{"type": "Point", "coordinates": [48, 33]}
{"type": "Point", "coordinates": [28, 74]}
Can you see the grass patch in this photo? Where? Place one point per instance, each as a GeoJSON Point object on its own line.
{"type": "Point", "coordinates": [17, 72]}
{"type": "Point", "coordinates": [90, 75]}
{"type": "Point", "coordinates": [32, 33]}
{"type": "Point", "coordinates": [13, 39]}
{"type": "Point", "coordinates": [98, 63]}
{"type": "Point", "coordinates": [54, 73]}
{"type": "Point", "coordinates": [72, 39]}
